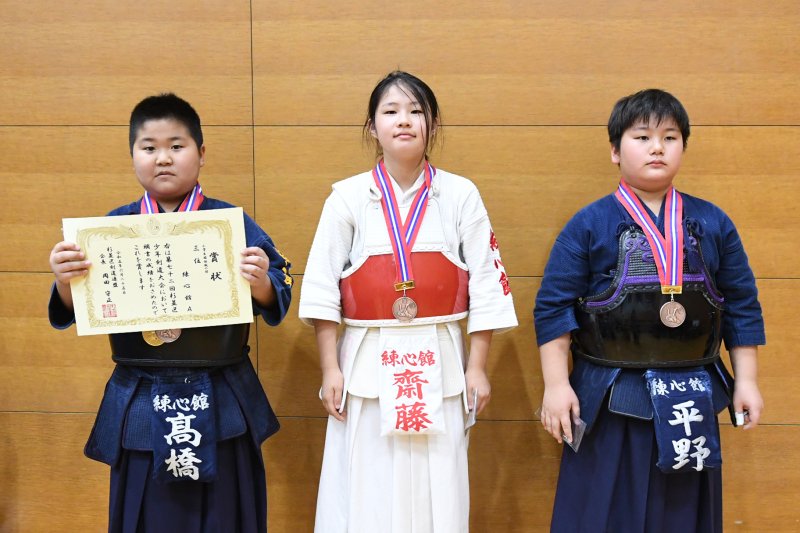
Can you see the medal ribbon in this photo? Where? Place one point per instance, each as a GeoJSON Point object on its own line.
{"type": "Point", "coordinates": [403, 234]}
{"type": "Point", "coordinates": [149, 206]}
{"type": "Point", "coordinates": [667, 249]}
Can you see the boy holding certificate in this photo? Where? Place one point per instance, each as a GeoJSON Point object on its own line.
{"type": "Point", "coordinates": [643, 286]}
{"type": "Point", "coordinates": [184, 415]}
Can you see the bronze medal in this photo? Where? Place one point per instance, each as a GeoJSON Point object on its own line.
{"type": "Point", "coordinates": [151, 338]}
{"type": "Point", "coordinates": [168, 335]}
{"type": "Point", "coordinates": [404, 309]}
{"type": "Point", "coordinates": [672, 314]}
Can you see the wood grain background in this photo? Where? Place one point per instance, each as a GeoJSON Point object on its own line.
{"type": "Point", "coordinates": [525, 87]}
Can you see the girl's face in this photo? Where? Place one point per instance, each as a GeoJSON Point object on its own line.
{"type": "Point", "coordinates": [399, 126]}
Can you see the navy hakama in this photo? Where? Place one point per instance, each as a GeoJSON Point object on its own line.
{"type": "Point", "coordinates": [235, 499]}
{"type": "Point", "coordinates": [235, 502]}
{"type": "Point", "coordinates": [614, 485]}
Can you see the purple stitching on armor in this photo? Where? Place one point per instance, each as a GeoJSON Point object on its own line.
{"type": "Point", "coordinates": [714, 294]}
{"type": "Point", "coordinates": [619, 286]}
{"type": "Point", "coordinates": [643, 280]}
{"type": "Point", "coordinates": [631, 246]}
{"type": "Point", "coordinates": [643, 244]}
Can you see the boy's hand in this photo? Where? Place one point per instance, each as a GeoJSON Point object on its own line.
{"type": "Point", "coordinates": [746, 396]}
{"type": "Point", "coordinates": [476, 379]}
{"type": "Point", "coordinates": [67, 261]}
{"type": "Point", "coordinates": [747, 399]}
{"type": "Point", "coordinates": [254, 267]}
{"type": "Point", "coordinates": [331, 391]}
{"type": "Point", "coordinates": [559, 405]}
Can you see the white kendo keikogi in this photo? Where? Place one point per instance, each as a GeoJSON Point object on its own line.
{"type": "Point", "coordinates": [352, 228]}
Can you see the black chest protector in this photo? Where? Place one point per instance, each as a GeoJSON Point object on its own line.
{"type": "Point", "coordinates": [195, 347]}
{"type": "Point", "coordinates": [622, 326]}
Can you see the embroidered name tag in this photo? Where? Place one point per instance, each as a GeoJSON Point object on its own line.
{"type": "Point", "coordinates": [184, 433]}
{"type": "Point", "coordinates": [410, 384]}
{"type": "Point", "coordinates": [685, 423]}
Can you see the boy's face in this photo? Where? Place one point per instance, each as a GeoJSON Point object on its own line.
{"type": "Point", "coordinates": [649, 155]}
{"type": "Point", "coordinates": [166, 160]}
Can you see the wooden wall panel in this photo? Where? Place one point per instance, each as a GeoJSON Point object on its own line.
{"type": "Point", "coordinates": [89, 63]}
{"type": "Point", "coordinates": [776, 360]}
{"type": "Point", "coordinates": [533, 179]}
{"type": "Point", "coordinates": [288, 364]}
{"type": "Point", "coordinates": [49, 370]}
{"type": "Point", "coordinates": [289, 361]}
{"type": "Point", "coordinates": [43, 369]}
{"type": "Point", "coordinates": [513, 469]}
{"type": "Point", "coordinates": [759, 479]}
{"type": "Point", "coordinates": [293, 459]}
{"type": "Point", "coordinates": [46, 484]}
{"type": "Point", "coordinates": [521, 63]}
{"type": "Point", "coordinates": [50, 173]}
{"type": "Point", "coordinates": [525, 88]}
{"type": "Point", "coordinates": [513, 473]}
{"type": "Point", "coordinates": [294, 171]}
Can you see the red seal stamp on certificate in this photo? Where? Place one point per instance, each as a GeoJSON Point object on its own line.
{"type": "Point", "coordinates": [109, 310]}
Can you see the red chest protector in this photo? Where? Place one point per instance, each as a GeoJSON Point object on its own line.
{"type": "Point", "coordinates": [442, 288]}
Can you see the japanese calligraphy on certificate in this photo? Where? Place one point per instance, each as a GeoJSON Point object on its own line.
{"type": "Point", "coordinates": [160, 271]}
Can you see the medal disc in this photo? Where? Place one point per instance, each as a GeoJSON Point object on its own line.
{"type": "Point", "coordinates": [168, 335]}
{"type": "Point", "coordinates": [151, 338]}
{"type": "Point", "coordinates": [404, 309]}
{"type": "Point", "coordinates": [672, 314]}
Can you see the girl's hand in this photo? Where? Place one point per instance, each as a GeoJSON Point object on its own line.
{"type": "Point", "coordinates": [476, 379]}
{"type": "Point", "coordinates": [331, 391]}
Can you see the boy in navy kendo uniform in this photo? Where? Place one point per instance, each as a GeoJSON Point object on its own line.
{"type": "Point", "coordinates": [222, 487]}
{"type": "Point", "coordinates": [642, 286]}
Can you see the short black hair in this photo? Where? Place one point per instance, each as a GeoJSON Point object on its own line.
{"type": "Point", "coordinates": [165, 105]}
{"type": "Point", "coordinates": [641, 107]}
{"type": "Point", "coordinates": [419, 91]}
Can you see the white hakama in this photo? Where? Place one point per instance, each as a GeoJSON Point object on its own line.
{"type": "Point", "coordinates": [393, 484]}
{"type": "Point", "coordinates": [416, 483]}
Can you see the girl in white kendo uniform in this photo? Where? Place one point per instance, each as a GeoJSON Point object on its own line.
{"type": "Point", "coordinates": [401, 254]}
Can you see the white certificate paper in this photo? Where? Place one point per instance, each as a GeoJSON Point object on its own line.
{"type": "Point", "coordinates": [160, 271]}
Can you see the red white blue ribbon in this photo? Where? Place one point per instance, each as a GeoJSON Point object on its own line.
{"type": "Point", "coordinates": [668, 248]}
{"type": "Point", "coordinates": [192, 202]}
{"type": "Point", "coordinates": [403, 234]}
